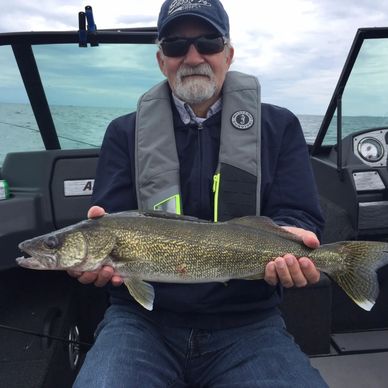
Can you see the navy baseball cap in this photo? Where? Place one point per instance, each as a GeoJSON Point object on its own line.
{"type": "Point", "coordinates": [211, 11]}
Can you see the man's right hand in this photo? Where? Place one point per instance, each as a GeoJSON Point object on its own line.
{"type": "Point", "coordinates": [105, 274]}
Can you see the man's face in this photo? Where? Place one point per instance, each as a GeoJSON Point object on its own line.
{"type": "Point", "coordinates": [195, 78]}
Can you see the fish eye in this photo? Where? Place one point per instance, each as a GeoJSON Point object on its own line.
{"type": "Point", "coordinates": [51, 242]}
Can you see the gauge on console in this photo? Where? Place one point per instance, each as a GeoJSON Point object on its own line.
{"type": "Point", "coordinates": [370, 149]}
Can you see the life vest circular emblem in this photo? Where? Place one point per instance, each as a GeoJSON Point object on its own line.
{"type": "Point", "coordinates": [242, 119]}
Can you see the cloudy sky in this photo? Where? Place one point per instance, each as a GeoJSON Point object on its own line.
{"type": "Point", "coordinates": [296, 47]}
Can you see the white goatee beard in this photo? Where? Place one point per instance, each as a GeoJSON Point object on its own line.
{"type": "Point", "coordinates": [195, 90]}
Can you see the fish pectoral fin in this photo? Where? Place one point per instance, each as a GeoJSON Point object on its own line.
{"type": "Point", "coordinates": [141, 291]}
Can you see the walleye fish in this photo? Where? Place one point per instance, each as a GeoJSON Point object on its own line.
{"type": "Point", "coordinates": [163, 247]}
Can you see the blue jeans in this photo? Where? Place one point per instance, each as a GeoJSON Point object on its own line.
{"type": "Point", "coordinates": [131, 351]}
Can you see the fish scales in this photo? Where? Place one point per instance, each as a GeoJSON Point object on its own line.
{"type": "Point", "coordinates": [201, 251]}
{"type": "Point", "coordinates": [162, 247]}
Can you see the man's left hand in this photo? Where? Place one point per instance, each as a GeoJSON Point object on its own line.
{"type": "Point", "coordinates": [290, 271]}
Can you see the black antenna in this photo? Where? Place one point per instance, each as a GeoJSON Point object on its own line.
{"type": "Point", "coordinates": [82, 34]}
{"type": "Point", "coordinates": [92, 28]}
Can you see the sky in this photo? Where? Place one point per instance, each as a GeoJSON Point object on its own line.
{"type": "Point", "coordinates": [296, 48]}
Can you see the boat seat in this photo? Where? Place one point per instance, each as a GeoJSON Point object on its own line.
{"type": "Point", "coordinates": [307, 313]}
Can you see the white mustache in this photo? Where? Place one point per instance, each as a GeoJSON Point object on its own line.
{"type": "Point", "coordinates": [203, 69]}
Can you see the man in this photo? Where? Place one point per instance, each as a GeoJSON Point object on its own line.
{"type": "Point", "coordinates": [204, 129]}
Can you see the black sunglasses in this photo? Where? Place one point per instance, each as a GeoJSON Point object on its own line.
{"type": "Point", "coordinates": [205, 44]}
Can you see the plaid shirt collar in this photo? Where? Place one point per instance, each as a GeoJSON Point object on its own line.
{"type": "Point", "coordinates": [188, 116]}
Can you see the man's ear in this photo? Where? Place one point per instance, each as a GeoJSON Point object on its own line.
{"type": "Point", "coordinates": [160, 59]}
{"type": "Point", "coordinates": [229, 56]}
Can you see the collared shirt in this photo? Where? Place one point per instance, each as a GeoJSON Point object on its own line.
{"type": "Point", "coordinates": [188, 116]}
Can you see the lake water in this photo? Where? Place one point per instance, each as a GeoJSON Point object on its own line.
{"type": "Point", "coordinates": [84, 127]}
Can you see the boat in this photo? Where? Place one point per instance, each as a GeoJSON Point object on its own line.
{"type": "Point", "coordinates": [48, 156]}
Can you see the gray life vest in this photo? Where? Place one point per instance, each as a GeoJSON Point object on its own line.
{"type": "Point", "coordinates": [237, 180]}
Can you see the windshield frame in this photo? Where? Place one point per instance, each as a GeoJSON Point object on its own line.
{"type": "Point", "coordinates": [22, 43]}
{"type": "Point", "coordinates": [336, 99]}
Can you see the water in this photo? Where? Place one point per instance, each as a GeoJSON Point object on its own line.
{"type": "Point", "coordinates": [77, 127]}
{"type": "Point", "coordinates": [84, 127]}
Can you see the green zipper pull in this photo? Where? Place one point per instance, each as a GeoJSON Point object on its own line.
{"type": "Point", "coordinates": [216, 189]}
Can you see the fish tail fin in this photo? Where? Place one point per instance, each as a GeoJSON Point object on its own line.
{"type": "Point", "coordinates": [358, 278]}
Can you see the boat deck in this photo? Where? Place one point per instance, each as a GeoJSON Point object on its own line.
{"type": "Point", "coordinates": [357, 360]}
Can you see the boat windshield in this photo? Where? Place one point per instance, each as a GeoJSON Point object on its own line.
{"type": "Point", "coordinates": [88, 87]}
{"type": "Point", "coordinates": [85, 88]}
{"type": "Point", "coordinates": [365, 96]}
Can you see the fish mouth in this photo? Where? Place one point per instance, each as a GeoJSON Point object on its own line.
{"type": "Point", "coordinates": [36, 260]}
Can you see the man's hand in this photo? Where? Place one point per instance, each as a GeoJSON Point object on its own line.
{"type": "Point", "coordinates": [101, 277]}
{"type": "Point", "coordinates": [292, 272]}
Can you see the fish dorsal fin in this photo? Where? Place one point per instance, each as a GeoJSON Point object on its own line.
{"type": "Point", "coordinates": [264, 224]}
{"type": "Point", "coordinates": [171, 216]}
{"type": "Point", "coordinates": [141, 291]}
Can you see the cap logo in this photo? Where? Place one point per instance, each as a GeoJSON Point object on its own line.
{"type": "Point", "coordinates": [242, 119]}
{"type": "Point", "coordinates": [185, 5]}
